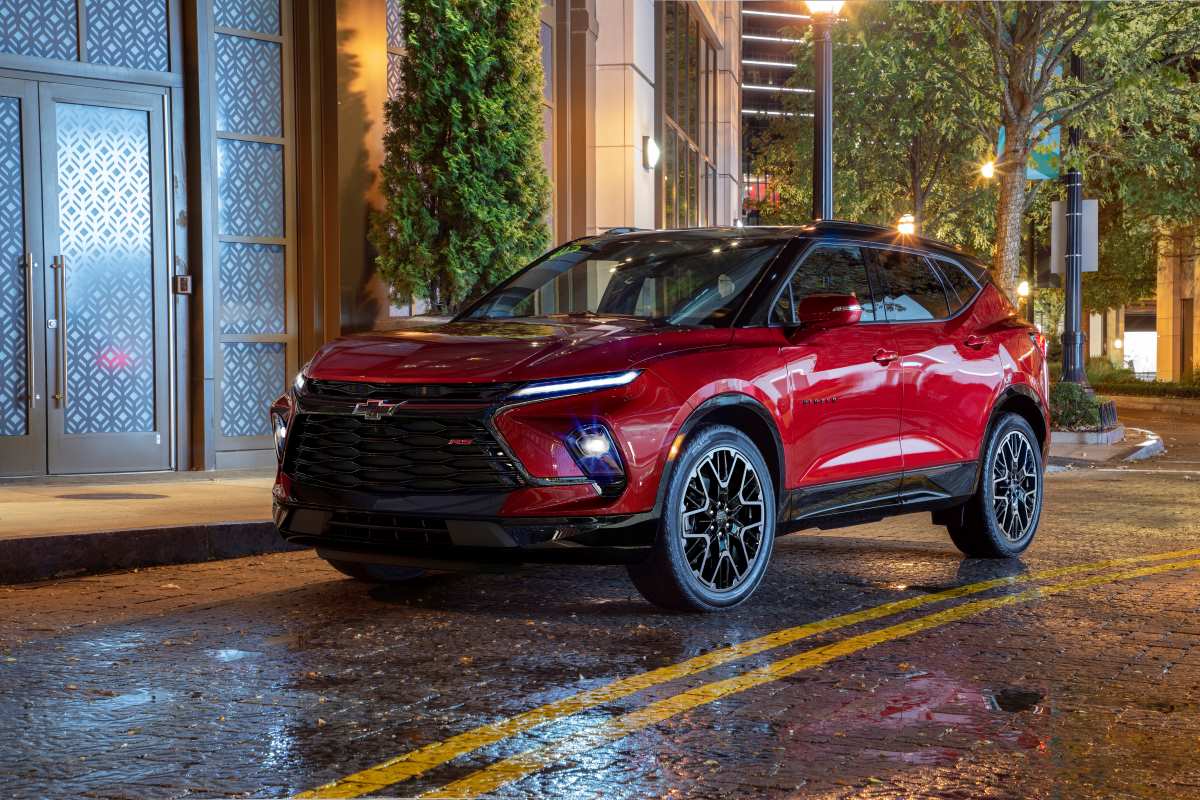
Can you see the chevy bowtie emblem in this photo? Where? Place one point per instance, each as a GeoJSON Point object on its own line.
{"type": "Point", "coordinates": [375, 409]}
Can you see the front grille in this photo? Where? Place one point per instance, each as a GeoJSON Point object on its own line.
{"type": "Point", "coordinates": [399, 454]}
{"type": "Point", "coordinates": [433, 392]}
{"type": "Point", "coordinates": [375, 528]}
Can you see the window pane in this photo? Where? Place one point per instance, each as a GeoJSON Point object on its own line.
{"type": "Point", "coordinates": [913, 292]}
{"type": "Point", "coordinates": [681, 193]}
{"type": "Point", "coordinates": [670, 54]}
{"type": "Point", "coordinates": [693, 79]}
{"type": "Point", "coordinates": [827, 270]}
{"type": "Point", "coordinates": [669, 181]}
{"type": "Point", "coordinates": [961, 288]}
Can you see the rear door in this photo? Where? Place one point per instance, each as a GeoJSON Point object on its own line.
{"type": "Point", "coordinates": [949, 371]}
{"type": "Point", "coordinates": [843, 438]}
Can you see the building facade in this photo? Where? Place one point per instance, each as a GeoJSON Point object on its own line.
{"type": "Point", "coordinates": [186, 185]}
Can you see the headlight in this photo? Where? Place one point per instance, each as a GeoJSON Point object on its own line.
{"type": "Point", "coordinates": [279, 429]}
{"type": "Point", "coordinates": [593, 448]}
{"type": "Point", "coordinates": [591, 383]}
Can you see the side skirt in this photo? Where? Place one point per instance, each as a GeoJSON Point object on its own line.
{"type": "Point", "coordinates": [837, 505]}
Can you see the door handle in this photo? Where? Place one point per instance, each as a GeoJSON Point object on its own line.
{"type": "Point", "coordinates": [975, 341]}
{"type": "Point", "coordinates": [30, 361]}
{"type": "Point", "coordinates": [60, 284]}
{"type": "Point", "coordinates": [885, 357]}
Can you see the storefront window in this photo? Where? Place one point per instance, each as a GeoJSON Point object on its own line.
{"type": "Point", "coordinates": [689, 120]}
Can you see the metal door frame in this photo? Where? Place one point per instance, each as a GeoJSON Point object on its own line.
{"type": "Point", "coordinates": [117, 452]}
{"type": "Point", "coordinates": [24, 455]}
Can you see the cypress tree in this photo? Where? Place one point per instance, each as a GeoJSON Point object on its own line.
{"type": "Point", "coordinates": [463, 176]}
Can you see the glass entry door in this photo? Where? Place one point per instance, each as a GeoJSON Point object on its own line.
{"type": "Point", "coordinates": [104, 276]}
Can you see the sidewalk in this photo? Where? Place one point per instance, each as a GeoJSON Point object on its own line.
{"type": "Point", "coordinates": [52, 527]}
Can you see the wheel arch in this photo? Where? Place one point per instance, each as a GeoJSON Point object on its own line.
{"type": "Point", "coordinates": [1022, 400]}
{"type": "Point", "coordinates": [747, 415]}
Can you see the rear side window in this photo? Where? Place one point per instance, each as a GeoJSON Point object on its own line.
{"type": "Point", "coordinates": [912, 290]}
{"type": "Point", "coordinates": [827, 269]}
{"type": "Point", "coordinates": [960, 287]}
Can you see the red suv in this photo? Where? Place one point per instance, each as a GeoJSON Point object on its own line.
{"type": "Point", "coordinates": [673, 401]}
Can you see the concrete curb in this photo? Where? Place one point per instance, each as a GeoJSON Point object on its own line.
{"type": "Point", "coordinates": [1165, 405]}
{"type": "Point", "coordinates": [35, 558]}
{"type": "Point", "coordinates": [1150, 446]}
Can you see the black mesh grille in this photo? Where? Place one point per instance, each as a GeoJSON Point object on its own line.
{"type": "Point", "coordinates": [399, 454]}
{"type": "Point", "coordinates": [433, 392]}
{"type": "Point", "coordinates": [374, 528]}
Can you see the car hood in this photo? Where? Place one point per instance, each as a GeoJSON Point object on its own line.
{"type": "Point", "coordinates": [494, 350]}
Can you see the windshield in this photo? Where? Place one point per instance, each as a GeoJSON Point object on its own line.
{"type": "Point", "coordinates": [685, 281]}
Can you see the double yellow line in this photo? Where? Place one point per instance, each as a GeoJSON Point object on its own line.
{"type": "Point", "coordinates": [421, 760]}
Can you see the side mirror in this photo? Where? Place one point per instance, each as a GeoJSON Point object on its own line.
{"type": "Point", "coordinates": [824, 311]}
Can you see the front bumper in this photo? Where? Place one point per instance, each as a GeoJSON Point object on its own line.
{"type": "Point", "coordinates": [467, 542]}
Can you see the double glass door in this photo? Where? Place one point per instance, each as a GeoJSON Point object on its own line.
{"type": "Point", "coordinates": [84, 343]}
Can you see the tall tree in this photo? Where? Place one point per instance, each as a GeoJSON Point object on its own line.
{"type": "Point", "coordinates": [1133, 51]}
{"type": "Point", "coordinates": [465, 186]}
{"type": "Point", "coordinates": [900, 144]}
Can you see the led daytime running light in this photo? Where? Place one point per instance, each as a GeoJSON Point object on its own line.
{"type": "Point", "coordinates": [576, 385]}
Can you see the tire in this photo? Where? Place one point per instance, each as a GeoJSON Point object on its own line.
{"type": "Point", "coordinates": [375, 573]}
{"type": "Point", "coordinates": [681, 573]}
{"type": "Point", "coordinates": [1000, 520]}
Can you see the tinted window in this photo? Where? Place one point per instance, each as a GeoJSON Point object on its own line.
{"type": "Point", "coordinates": [913, 291]}
{"type": "Point", "coordinates": [960, 285]}
{"type": "Point", "coordinates": [827, 270]}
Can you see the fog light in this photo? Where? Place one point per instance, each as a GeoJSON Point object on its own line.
{"type": "Point", "coordinates": [596, 453]}
{"type": "Point", "coordinates": [594, 445]}
{"type": "Point", "coordinates": [279, 429]}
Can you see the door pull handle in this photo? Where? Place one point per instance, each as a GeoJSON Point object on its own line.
{"type": "Point", "coordinates": [885, 357]}
{"type": "Point", "coordinates": [30, 360]}
{"type": "Point", "coordinates": [974, 341]}
{"type": "Point", "coordinates": [60, 282]}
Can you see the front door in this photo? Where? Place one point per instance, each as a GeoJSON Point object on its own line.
{"type": "Point", "coordinates": [93, 281]}
{"type": "Point", "coordinates": [844, 446]}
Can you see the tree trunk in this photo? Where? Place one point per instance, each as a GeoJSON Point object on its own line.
{"type": "Point", "coordinates": [1006, 265]}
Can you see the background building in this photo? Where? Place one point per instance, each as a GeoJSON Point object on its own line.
{"type": "Point", "coordinates": [185, 188]}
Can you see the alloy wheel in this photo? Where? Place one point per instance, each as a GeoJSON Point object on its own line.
{"type": "Point", "coordinates": [1015, 485]}
{"type": "Point", "coordinates": [722, 519]}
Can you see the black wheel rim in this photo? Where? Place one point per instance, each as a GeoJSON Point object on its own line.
{"type": "Point", "coordinates": [1016, 483]}
{"type": "Point", "coordinates": [721, 517]}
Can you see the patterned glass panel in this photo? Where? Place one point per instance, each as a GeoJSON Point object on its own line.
{"type": "Point", "coordinates": [41, 28]}
{"type": "Point", "coordinates": [105, 224]}
{"type": "Point", "coordinates": [249, 86]}
{"type": "Point", "coordinates": [249, 188]}
{"type": "Point", "coordinates": [393, 75]}
{"type": "Point", "coordinates": [253, 288]}
{"type": "Point", "coordinates": [13, 397]}
{"type": "Point", "coordinates": [255, 374]}
{"type": "Point", "coordinates": [127, 33]}
{"type": "Point", "coordinates": [261, 16]}
{"type": "Point", "coordinates": [395, 24]}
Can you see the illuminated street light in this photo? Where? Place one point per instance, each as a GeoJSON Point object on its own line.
{"type": "Point", "coordinates": [824, 13]}
{"type": "Point", "coordinates": [907, 225]}
{"type": "Point", "coordinates": [1023, 289]}
{"type": "Point", "coordinates": [988, 169]}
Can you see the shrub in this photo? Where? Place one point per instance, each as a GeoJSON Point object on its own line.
{"type": "Point", "coordinates": [1150, 389]}
{"type": "Point", "coordinates": [1072, 408]}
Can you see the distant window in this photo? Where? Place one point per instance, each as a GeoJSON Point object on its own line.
{"type": "Point", "coordinates": [827, 270]}
{"type": "Point", "coordinates": [912, 290]}
{"type": "Point", "coordinates": [961, 287]}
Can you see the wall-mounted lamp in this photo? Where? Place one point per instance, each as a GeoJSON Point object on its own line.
{"type": "Point", "coordinates": [650, 152]}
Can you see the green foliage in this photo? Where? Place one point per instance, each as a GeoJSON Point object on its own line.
{"type": "Point", "coordinates": [1072, 408]}
{"type": "Point", "coordinates": [465, 187]}
{"type": "Point", "coordinates": [900, 144]}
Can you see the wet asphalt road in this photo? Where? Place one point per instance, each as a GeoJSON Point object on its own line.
{"type": "Point", "coordinates": [274, 675]}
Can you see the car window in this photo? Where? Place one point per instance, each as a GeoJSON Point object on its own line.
{"type": "Point", "coordinates": [960, 287]}
{"type": "Point", "coordinates": [912, 290]}
{"type": "Point", "coordinates": [827, 269]}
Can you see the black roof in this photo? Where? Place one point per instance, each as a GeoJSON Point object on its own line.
{"type": "Point", "coordinates": [821, 228]}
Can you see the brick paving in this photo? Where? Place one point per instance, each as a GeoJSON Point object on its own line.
{"type": "Point", "coordinates": [267, 675]}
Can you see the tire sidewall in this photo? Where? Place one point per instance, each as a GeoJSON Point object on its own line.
{"type": "Point", "coordinates": [670, 535]}
{"type": "Point", "coordinates": [1006, 425]}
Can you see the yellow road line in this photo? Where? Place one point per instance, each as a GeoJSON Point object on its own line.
{"type": "Point", "coordinates": [423, 759]}
{"type": "Point", "coordinates": [523, 764]}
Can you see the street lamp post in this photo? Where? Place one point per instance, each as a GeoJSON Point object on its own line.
{"type": "Point", "coordinates": [823, 12]}
{"type": "Point", "coordinates": [1072, 339]}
